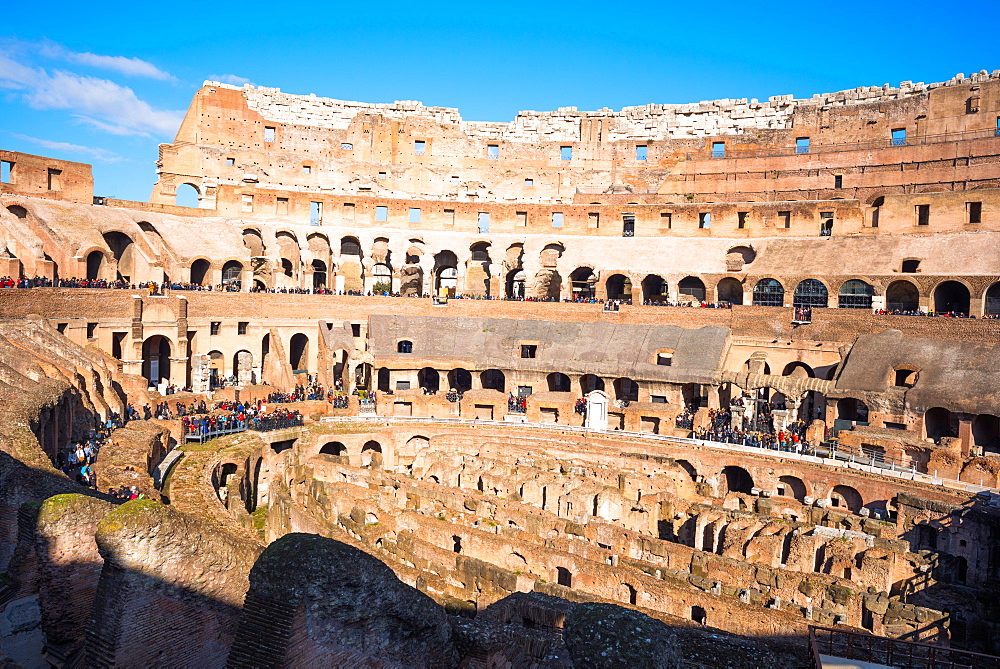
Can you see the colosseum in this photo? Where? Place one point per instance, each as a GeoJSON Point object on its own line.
{"type": "Point", "coordinates": [702, 385]}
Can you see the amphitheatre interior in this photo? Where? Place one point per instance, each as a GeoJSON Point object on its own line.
{"type": "Point", "coordinates": [699, 385]}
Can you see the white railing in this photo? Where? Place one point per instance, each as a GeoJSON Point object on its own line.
{"type": "Point", "coordinates": [834, 458]}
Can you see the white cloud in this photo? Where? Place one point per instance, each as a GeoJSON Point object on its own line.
{"type": "Point", "coordinates": [100, 102]}
{"type": "Point", "coordinates": [101, 155]}
{"type": "Point", "coordinates": [131, 67]}
{"type": "Point", "coordinates": [233, 79]}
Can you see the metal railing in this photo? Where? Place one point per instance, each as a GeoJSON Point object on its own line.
{"type": "Point", "coordinates": [819, 455]}
{"type": "Point", "coordinates": [272, 424]}
{"type": "Point", "coordinates": [201, 436]}
{"type": "Point", "coordinates": [850, 645]}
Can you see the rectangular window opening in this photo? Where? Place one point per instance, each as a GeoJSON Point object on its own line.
{"type": "Point", "coordinates": [528, 350]}
{"type": "Point", "coordinates": [241, 327]}
{"type": "Point", "coordinates": [484, 222]}
{"type": "Point", "coordinates": [247, 201]}
{"type": "Point", "coordinates": [741, 221]}
{"type": "Point", "coordinates": [215, 327]}
{"type": "Point", "coordinates": [557, 219]}
{"type": "Point", "coordinates": [55, 179]}
{"type": "Point", "coordinates": [666, 220]}
{"type": "Point", "coordinates": [923, 214]}
{"type": "Point", "coordinates": [230, 162]}
{"type": "Point", "coordinates": [566, 153]}
{"type": "Point", "coordinates": [449, 216]}
{"type": "Point", "coordinates": [641, 152]}
{"type": "Point", "coordinates": [454, 179]}
{"type": "Point", "coordinates": [419, 147]}
{"type": "Point", "coordinates": [307, 169]}
{"type": "Point", "coordinates": [381, 213]}
{"type": "Point", "coordinates": [628, 225]}
{"type": "Point", "coordinates": [382, 175]}
{"type": "Point", "coordinates": [975, 211]}
{"type": "Point", "coordinates": [899, 137]}
{"type": "Point", "coordinates": [414, 215]}
{"type": "Point", "coordinates": [594, 220]}
{"type": "Point", "coordinates": [91, 330]}
{"type": "Point", "coordinates": [346, 146]}
{"type": "Point", "coordinates": [6, 171]}
{"type": "Point", "coordinates": [718, 149]}
{"type": "Point", "coordinates": [355, 329]}
{"type": "Point", "coordinates": [315, 213]}
{"type": "Point", "coordinates": [349, 210]}
{"type": "Point", "coordinates": [493, 151]}
{"type": "Point", "coordinates": [705, 220]}
{"type": "Point", "coordinates": [785, 219]}
{"type": "Point", "coordinates": [281, 206]}
{"type": "Point", "coordinates": [838, 181]}
{"type": "Point", "coordinates": [658, 399]}
{"type": "Point", "coordinates": [529, 183]}
{"type": "Point", "coordinates": [801, 145]}
{"type": "Point", "coordinates": [268, 133]}
{"type": "Point", "coordinates": [522, 219]}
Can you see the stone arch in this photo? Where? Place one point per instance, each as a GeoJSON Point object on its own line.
{"type": "Point", "coordinates": [654, 289]}
{"type": "Point", "coordinates": [232, 274]}
{"type": "Point", "coordinates": [243, 367]}
{"type": "Point", "coordinates": [187, 195]}
{"type": "Point", "coordinates": [810, 294]}
{"type": "Point", "coordinates": [17, 210]}
{"type": "Point", "coordinates": [460, 379]}
{"type": "Point", "coordinates": [846, 497]}
{"type": "Point", "coordinates": [739, 256]}
{"type": "Point", "coordinates": [371, 454]}
{"type": "Point", "coordinates": [991, 300]}
{"type": "Point", "coordinates": [590, 382]}
{"type": "Point", "coordinates": [548, 285]}
{"type": "Point", "coordinates": [350, 246]}
{"type": "Point", "coordinates": [986, 432]}
{"type": "Point", "coordinates": [691, 289]}
{"type": "Point", "coordinates": [688, 468]}
{"type": "Point", "coordinates": [254, 242]}
{"type": "Point", "coordinates": [768, 292]}
{"type": "Point", "coordinates": [493, 379]}
{"type": "Point", "coordinates": [626, 389]}
{"type": "Point", "coordinates": [558, 382]}
{"type": "Point", "coordinates": [798, 369]}
{"type": "Point", "coordinates": [618, 287]}
{"type": "Point", "coordinates": [735, 479]}
{"type": "Point", "coordinates": [792, 486]}
{"type": "Point", "coordinates": [333, 448]}
{"type": "Point", "coordinates": [97, 263]}
{"type": "Point", "coordinates": [582, 282]}
{"type": "Point", "coordinates": [298, 351]}
{"type": "Point", "coordinates": [855, 294]}
{"type": "Point", "coordinates": [952, 296]}
{"type": "Point", "coordinates": [902, 295]}
{"type": "Point", "coordinates": [428, 378]}
{"type": "Point", "coordinates": [200, 272]}
{"type": "Point", "coordinates": [729, 290]}
{"type": "Point", "coordinates": [123, 251]}
{"type": "Point", "coordinates": [516, 283]}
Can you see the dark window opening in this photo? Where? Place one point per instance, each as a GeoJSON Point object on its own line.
{"type": "Point", "coordinates": [528, 350]}
{"type": "Point", "coordinates": [704, 220]}
{"type": "Point", "coordinates": [564, 577]}
{"type": "Point", "coordinates": [975, 212]}
{"type": "Point", "coordinates": [241, 327]}
{"type": "Point", "coordinates": [628, 226]}
{"type": "Point", "coordinates": [215, 327]}
{"type": "Point", "coordinates": [741, 219]}
{"type": "Point", "coordinates": [838, 181]}
{"type": "Point", "coordinates": [91, 330]}
{"type": "Point", "coordinates": [355, 329]}
{"type": "Point", "coordinates": [910, 266]}
{"type": "Point", "coordinates": [923, 214]}
{"type": "Point", "coordinates": [785, 219]}
{"type": "Point", "coordinates": [404, 347]}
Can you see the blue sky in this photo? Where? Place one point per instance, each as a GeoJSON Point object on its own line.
{"type": "Point", "coordinates": [105, 83]}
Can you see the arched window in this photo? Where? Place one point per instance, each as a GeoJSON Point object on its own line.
{"type": "Point", "coordinates": [902, 296]}
{"type": "Point", "coordinates": [582, 281]}
{"type": "Point", "coordinates": [404, 346]}
{"type": "Point", "coordinates": [199, 271]}
{"type": "Point", "coordinates": [691, 288]}
{"type": "Point", "coordinates": [810, 294]}
{"type": "Point", "coordinates": [730, 290]}
{"type": "Point", "coordinates": [768, 293]}
{"type": "Point", "coordinates": [481, 252]}
{"type": "Point", "coordinates": [992, 301]}
{"type": "Point", "coordinates": [231, 273]}
{"type": "Point", "coordinates": [349, 246]}
{"type": "Point", "coordinates": [558, 382]}
{"type": "Point", "coordinates": [951, 297]}
{"type": "Point", "coordinates": [187, 196]}
{"type": "Point", "coordinates": [855, 294]}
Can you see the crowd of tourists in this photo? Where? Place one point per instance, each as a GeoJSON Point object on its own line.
{"type": "Point", "coordinates": [76, 459]}
{"type": "Point", "coordinates": [516, 404]}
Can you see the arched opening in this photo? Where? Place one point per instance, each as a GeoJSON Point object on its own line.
{"type": "Point", "coordinates": [558, 382]}
{"type": "Point", "coordinates": [298, 352]}
{"type": "Point", "coordinates": [768, 293]}
{"type": "Point", "coordinates": [940, 423]}
{"type": "Point", "coordinates": [810, 294]}
{"type": "Point", "coordinates": [188, 195]}
{"type": "Point", "coordinates": [371, 454]}
{"type": "Point", "coordinates": [730, 290]}
{"type": "Point", "coordinates": [350, 246]}
{"type": "Point", "coordinates": [253, 242]}
{"type": "Point", "coordinates": [494, 379]}
{"type": "Point", "coordinates": [691, 289]}
{"type": "Point", "coordinates": [791, 486]}
{"type": "Point", "coordinates": [626, 389]}
{"type": "Point", "coordinates": [548, 284]}
{"type": "Point", "coordinates": [855, 294]}
{"type": "Point", "coordinates": [986, 432]}
{"type": "Point", "coordinates": [428, 379]}
{"type": "Point", "coordinates": [582, 281]}
{"type": "Point", "coordinates": [404, 346]}
{"type": "Point", "coordinates": [902, 296]}
{"type": "Point", "coordinates": [619, 287]}
{"type": "Point", "coordinates": [382, 380]}
{"type": "Point", "coordinates": [798, 370]}
{"type": "Point", "coordinates": [654, 289]}
{"type": "Point", "coordinates": [460, 380]}
{"type": "Point", "coordinates": [216, 369]}
{"type": "Point", "coordinates": [17, 210]}
{"type": "Point", "coordinates": [991, 301]}
{"type": "Point", "coordinates": [319, 274]}
{"type": "Point", "coordinates": [590, 383]}
{"type": "Point", "coordinates": [515, 284]}
{"type": "Point", "coordinates": [951, 297]}
{"type": "Point", "coordinates": [736, 479]}
{"type": "Point", "coordinates": [123, 251]}
{"type": "Point", "coordinates": [333, 448]}
{"type": "Point", "coordinates": [851, 409]}
{"type": "Point", "coordinates": [445, 274]}
{"type": "Point", "coordinates": [199, 271]}
{"type": "Point", "coordinates": [381, 280]}
{"type": "Point", "coordinates": [688, 469]}
{"type": "Point", "coordinates": [243, 367]}
{"type": "Point", "coordinates": [846, 497]}
{"type": "Point", "coordinates": [95, 265]}
{"type": "Point", "coordinates": [156, 359]}
{"type": "Point", "coordinates": [232, 273]}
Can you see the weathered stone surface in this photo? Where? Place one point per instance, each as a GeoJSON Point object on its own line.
{"type": "Point", "coordinates": [604, 635]}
